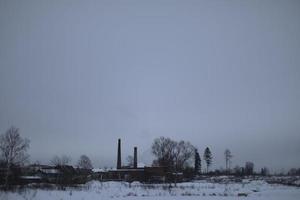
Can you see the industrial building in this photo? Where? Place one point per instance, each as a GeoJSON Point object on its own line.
{"type": "Point", "coordinates": [135, 173]}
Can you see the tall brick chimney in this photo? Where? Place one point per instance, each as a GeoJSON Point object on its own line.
{"type": "Point", "coordinates": [119, 161]}
{"type": "Point", "coordinates": [135, 158]}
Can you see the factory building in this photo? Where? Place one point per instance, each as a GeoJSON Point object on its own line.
{"type": "Point", "coordinates": [135, 173]}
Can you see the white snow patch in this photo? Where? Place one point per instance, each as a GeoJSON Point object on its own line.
{"type": "Point", "coordinates": [95, 170]}
{"type": "Point", "coordinates": [189, 190]}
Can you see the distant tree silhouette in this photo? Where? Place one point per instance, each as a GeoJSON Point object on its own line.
{"type": "Point", "coordinates": [60, 161]}
{"type": "Point", "coordinates": [264, 171]}
{"type": "Point", "coordinates": [172, 154]}
{"type": "Point", "coordinates": [237, 170]}
{"type": "Point", "coordinates": [84, 162]}
{"type": "Point", "coordinates": [130, 161]}
{"type": "Point", "coordinates": [208, 158]}
{"type": "Point", "coordinates": [197, 162]}
{"type": "Point", "coordinates": [163, 150]}
{"type": "Point", "coordinates": [184, 151]}
{"type": "Point", "coordinates": [13, 149]}
{"type": "Point", "coordinates": [249, 168]}
{"type": "Point", "coordinates": [294, 172]}
{"type": "Point", "coordinates": [228, 157]}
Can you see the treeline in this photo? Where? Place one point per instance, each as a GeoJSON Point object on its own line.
{"type": "Point", "coordinates": [180, 157]}
{"type": "Point", "coordinates": [294, 172]}
{"type": "Point", "coordinates": [14, 157]}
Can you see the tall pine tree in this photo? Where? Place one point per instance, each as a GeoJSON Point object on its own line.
{"type": "Point", "coordinates": [208, 158]}
{"type": "Point", "coordinates": [197, 163]}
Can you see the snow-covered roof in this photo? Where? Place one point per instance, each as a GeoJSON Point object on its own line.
{"type": "Point", "coordinates": [141, 165]}
{"type": "Point", "coordinates": [177, 173]}
{"type": "Point", "coordinates": [50, 171]}
{"type": "Point", "coordinates": [129, 169]}
{"type": "Point", "coordinates": [98, 170]}
{"type": "Point", "coordinates": [30, 177]}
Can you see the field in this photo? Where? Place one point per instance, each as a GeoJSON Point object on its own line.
{"type": "Point", "coordinates": [248, 189]}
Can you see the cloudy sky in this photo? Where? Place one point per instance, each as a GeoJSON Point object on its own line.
{"type": "Point", "coordinates": [77, 75]}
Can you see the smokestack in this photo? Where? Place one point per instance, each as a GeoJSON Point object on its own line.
{"type": "Point", "coordinates": [119, 161]}
{"type": "Point", "coordinates": [135, 158]}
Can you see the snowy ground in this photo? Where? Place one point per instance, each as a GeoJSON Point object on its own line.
{"type": "Point", "coordinates": [191, 190]}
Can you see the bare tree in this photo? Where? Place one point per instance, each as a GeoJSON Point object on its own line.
{"type": "Point", "coordinates": [172, 154]}
{"type": "Point", "coordinates": [130, 161]}
{"type": "Point", "coordinates": [65, 160]}
{"type": "Point", "coordinates": [84, 162]}
{"type": "Point", "coordinates": [228, 156]}
{"type": "Point", "coordinates": [59, 161]}
{"type": "Point", "coordinates": [249, 168]}
{"type": "Point", "coordinates": [163, 149]}
{"type": "Point", "coordinates": [55, 161]}
{"type": "Point", "coordinates": [13, 149]}
{"type": "Point", "coordinates": [184, 151]}
{"type": "Point", "coordinates": [237, 170]}
{"type": "Point", "coordinates": [264, 171]}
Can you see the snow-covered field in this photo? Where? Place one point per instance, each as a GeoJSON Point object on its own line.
{"type": "Point", "coordinates": [248, 189]}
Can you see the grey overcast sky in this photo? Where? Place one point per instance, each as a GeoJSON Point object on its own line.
{"type": "Point", "coordinates": [77, 75]}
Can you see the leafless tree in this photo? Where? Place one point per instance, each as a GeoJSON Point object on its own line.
{"type": "Point", "coordinates": [84, 162]}
{"type": "Point", "coordinates": [172, 154]}
{"type": "Point", "coordinates": [249, 168]}
{"type": "Point", "coordinates": [228, 156]}
{"type": "Point", "coordinates": [59, 161]}
{"type": "Point", "coordinates": [130, 161]}
{"type": "Point", "coordinates": [55, 161]}
{"type": "Point", "coordinates": [65, 160]}
{"type": "Point", "coordinates": [13, 149]}
{"type": "Point", "coordinates": [264, 171]}
{"type": "Point", "coordinates": [163, 149]}
{"type": "Point", "coordinates": [237, 170]}
{"type": "Point", "coordinates": [184, 151]}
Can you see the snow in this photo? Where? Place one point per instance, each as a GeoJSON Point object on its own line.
{"type": "Point", "coordinates": [297, 182]}
{"type": "Point", "coordinates": [141, 164]}
{"type": "Point", "coordinates": [30, 177]}
{"type": "Point", "coordinates": [95, 170]}
{"type": "Point", "coordinates": [252, 189]}
{"type": "Point", "coordinates": [129, 169]}
{"type": "Point", "coordinates": [50, 171]}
